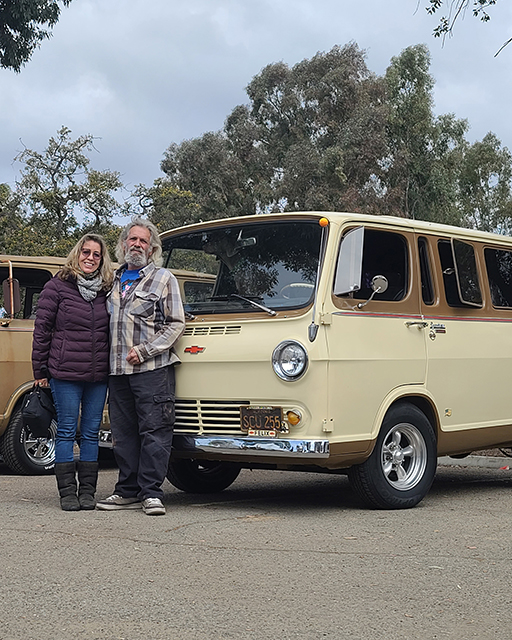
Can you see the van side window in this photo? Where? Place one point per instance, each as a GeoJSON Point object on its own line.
{"type": "Point", "coordinates": [427, 286]}
{"type": "Point", "coordinates": [31, 282]}
{"type": "Point", "coordinates": [384, 254]}
{"type": "Point", "coordinates": [460, 274]}
{"type": "Point", "coordinates": [499, 271]}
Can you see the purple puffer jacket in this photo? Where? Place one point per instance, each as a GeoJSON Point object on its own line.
{"type": "Point", "coordinates": [71, 335]}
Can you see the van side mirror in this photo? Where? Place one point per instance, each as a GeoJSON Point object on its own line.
{"type": "Point", "coordinates": [12, 298]}
{"type": "Point", "coordinates": [379, 284]}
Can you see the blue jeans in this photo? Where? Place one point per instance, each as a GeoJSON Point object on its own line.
{"type": "Point", "coordinates": [69, 398]}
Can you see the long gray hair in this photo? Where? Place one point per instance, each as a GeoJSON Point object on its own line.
{"type": "Point", "coordinates": [155, 242]}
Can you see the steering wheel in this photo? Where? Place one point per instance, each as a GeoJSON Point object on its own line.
{"type": "Point", "coordinates": [289, 290]}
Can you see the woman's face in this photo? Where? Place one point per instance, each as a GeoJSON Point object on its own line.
{"type": "Point", "coordinates": [90, 257]}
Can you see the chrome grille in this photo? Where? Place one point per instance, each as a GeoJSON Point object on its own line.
{"type": "Point", "coordinates": [208, 416]}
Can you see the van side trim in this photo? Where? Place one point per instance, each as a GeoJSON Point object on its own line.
{"type": "Point", "coordinates": [241, 445]}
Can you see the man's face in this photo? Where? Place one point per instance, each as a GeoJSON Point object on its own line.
{"type": "Point", "coordinates": [138, 247]}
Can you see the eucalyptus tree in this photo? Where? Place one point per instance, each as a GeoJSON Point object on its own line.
{"type": "Point", "coordinates": [485, 186]}
{"type": "Point", "coordinates": [425, 151]}
{"type": "Point", "coordinates": [328, 134]}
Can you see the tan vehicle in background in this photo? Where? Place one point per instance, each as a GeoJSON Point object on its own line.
{"type": "Point", "coordinates": [23, 279]}
{"type": "Point", "coordinates": [341, 343]}
{"type": "Point", "coordinates": [19, 449]}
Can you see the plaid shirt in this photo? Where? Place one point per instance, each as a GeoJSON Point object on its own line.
{"type": "Point", "coordinates": [149, 318]}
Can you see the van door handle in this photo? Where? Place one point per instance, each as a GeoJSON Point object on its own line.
{"type": "Point", "coordinates": [421, 324]}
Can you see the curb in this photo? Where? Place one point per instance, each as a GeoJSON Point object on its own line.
{"type": "Point", "coordinates": [486, 462]}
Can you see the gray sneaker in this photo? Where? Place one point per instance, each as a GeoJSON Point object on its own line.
{"type": "Point", "coordinates": [153, 507]}
{"type": "Point", "coordinates": [114, 502]}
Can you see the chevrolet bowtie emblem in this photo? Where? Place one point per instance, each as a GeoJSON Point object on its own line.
{"type": "Point", "coordinates": [194, 349]}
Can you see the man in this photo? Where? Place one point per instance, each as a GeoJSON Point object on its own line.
{"type": "Point", "coordinates": [146, 319]}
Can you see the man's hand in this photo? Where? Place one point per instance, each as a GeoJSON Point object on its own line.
{"type": "Point", "coordinates": [132, 357]}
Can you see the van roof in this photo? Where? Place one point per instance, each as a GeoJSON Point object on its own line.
{"type": "Point", "coordinates": [33, 260]}
{"type": "Point", "coordinates": [339, 218]}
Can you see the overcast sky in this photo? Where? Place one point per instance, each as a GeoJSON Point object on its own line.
{"type": "Point", "coordinates": [141, 74]}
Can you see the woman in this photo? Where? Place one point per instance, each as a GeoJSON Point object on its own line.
{"type": "Point", "coordinates": [71, 352]}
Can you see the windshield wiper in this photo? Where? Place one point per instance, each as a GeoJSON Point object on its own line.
{"type": "Point", "coordinates": [254, 304]}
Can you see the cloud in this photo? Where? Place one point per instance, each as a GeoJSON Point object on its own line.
{"type": "Point", "coordinates": [140, 75]}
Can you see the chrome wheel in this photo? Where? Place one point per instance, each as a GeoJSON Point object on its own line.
{"type": "Point", "coordinates": [404, 456]}
{"type": "Point", "coordinates": [41, 451]}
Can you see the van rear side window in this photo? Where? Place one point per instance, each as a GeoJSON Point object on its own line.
{"type": "Point", "coordinates": [427, 287]}
{"type": "Point", "coordinates": [499, 271]}
{"type": "Point", "coordinates": [460, 273]}
{"type": "Point", "coordinates": [31, 282]}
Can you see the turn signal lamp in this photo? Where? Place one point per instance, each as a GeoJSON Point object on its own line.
{"type": "Point", "coordinates": [323, 222]}
{"type": "Point", "coordinates": [294, 417]}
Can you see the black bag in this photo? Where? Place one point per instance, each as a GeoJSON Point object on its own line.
{"type": "Point", "coordinates": [38, 411]}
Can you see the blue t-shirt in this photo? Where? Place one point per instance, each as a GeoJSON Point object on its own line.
{"type": "Point", "coordinates": [128, 277]}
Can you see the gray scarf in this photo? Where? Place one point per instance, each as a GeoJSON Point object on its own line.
{"type": "Point", "coordinates": [89, 286]}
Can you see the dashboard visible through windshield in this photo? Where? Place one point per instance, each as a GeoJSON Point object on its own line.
{"type": "Point", "coordinates": [266, 266]}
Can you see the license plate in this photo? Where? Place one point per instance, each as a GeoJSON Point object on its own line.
{"type": "Point", "coordinates": [261, 421]}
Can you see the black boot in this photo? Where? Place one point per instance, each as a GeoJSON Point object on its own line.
{"type": "Point", "coordinates": [87, 479]}
{"type": "Point", "coordinates": [66, 482]}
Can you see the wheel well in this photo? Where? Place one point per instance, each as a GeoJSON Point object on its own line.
{"type": "Point", "coordinates": [423, 405]}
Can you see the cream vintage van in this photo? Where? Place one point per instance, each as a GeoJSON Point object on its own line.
{"type": "Point", "coordinates": [22, 281]}
{"type": "Point", "coordinates": [342, 343]}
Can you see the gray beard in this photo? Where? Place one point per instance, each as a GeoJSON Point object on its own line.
{"type": "Point", "coordinates": [136, 259]}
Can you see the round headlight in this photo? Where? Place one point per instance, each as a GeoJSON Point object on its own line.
{"type": "Point", "coordinates": [290, 360]}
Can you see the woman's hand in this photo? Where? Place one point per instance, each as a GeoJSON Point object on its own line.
{"type": "Point", "coordinates": [43, 382]}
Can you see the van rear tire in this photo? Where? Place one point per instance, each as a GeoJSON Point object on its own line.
{"type": "Point", "coordinates": [402, 466]}
{"type": "Point", "coordinates": [25, 454]}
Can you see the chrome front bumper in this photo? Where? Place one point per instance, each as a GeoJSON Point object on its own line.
{"type": "Point", "coordinates": [245, 446]}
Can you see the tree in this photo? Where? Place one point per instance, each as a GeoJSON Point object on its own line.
{"type": "Point", "coordinates": [57, 185]}
{"type": "Point", "coordinates": [420, 177]}
{"type": "Point", "coordinates": [167, 206]}
{"type": "Point", "coordinates": [24, 24]}
{"type": "Point", "coordinates": [309, 139]}
{"type": "Point", "coordinates": [455, 10]}
{"type": "Point", "coordinates": [485, 186]}
{"type": "Point", "coordinates": [327, 134]}
{"type": "Point", "coordinates": [11, 220]}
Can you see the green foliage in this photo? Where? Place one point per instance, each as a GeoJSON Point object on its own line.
{"type": "Point", "coordinates": [24, 24]}
{"type": "Point", "coordinates": [485, 180]}
{"type": "Point", "coordinates": [309, 139]}
{"type": "Point", "coordinates": [57, 185]}
{"type": "Point", "coordinates": [328, 134]}
{"type": "Point", "coordinates": [168, 206]}
{"type": "Point", "coordinates": [456, 9]}
{"type": "Point", "coordinates": [420, 174]}
{"type": "Point", "coordinates": [209, 168]}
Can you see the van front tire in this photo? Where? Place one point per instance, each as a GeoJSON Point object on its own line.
{"type": "Point", "coordinates": [25, 454]}
{"type": "Point", "coordinates": [402, 466]}
{"type": "Point", "coordinates": [202, 476]}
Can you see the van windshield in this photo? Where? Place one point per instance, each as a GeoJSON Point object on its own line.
{"type": "Point", "coordinates": [273, 264]}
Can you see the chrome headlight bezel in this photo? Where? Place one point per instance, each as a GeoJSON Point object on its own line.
{"type": "Point", "coordinates": [301, 360]}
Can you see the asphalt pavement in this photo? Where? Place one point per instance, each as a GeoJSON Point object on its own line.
{"type": "Point", "coordinates": [278, 555]}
